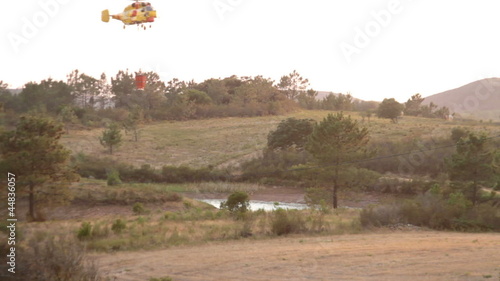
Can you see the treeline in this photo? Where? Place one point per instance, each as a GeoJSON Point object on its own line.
{"type": "Point", "coordinates": [90, 101]}
{"type": "Point", "coordinates": [391, 109]}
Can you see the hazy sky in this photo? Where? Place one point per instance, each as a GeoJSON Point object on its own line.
{"type": "Point", "coordinates": [371, 48]}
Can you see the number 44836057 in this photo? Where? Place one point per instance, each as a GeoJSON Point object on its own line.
{"type": "Point", "coordinates": [11, 183]}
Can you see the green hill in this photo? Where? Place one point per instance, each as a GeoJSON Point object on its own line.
{"type": "Point", "coordinates": [230, 141]}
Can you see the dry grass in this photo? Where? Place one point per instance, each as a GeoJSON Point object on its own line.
{"type": "Point", "coordinates": [225, 141]}
{"type": "Point", "coordinates": [189, 222]}
{"type": "Point", "coordinates": [420, 255]}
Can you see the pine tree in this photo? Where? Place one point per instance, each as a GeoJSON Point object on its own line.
{"type": "Point", "coordinates": [334, 141]}
{"type": "Point", "coordinates": [33, 153]}
{"type": "Point", "coordinates": [473, 162]}
{"type": "Point", "coordinates": [111, 137]}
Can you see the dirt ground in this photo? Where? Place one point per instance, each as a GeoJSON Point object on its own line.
{"type": "Point", "coordinates": [384, 255]}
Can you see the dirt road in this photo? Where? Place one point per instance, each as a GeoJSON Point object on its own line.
{"type": "Point", "coordinates": [400, 255]}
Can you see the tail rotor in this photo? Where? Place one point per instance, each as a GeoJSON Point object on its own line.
{"type": "Point", "coordinates": [105, 16]}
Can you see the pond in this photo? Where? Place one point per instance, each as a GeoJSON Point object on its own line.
{"type": "Point", "coordinates": [256, 205]}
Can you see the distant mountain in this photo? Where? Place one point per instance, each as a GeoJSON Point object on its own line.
{"type": "Point", "coordinates": [480, 99]}
{"type": "Point", "coordinates": [15, 91]}
{"type": "Point", "coordinates": [323, 94]}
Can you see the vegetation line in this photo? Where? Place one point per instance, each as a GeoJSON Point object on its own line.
{"type": "Point", "coordinates": [377, 158]}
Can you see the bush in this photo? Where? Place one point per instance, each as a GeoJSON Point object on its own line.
{"type": "Point", "coordinates": [56, 258]}
{"type": "Point", "coordinates": [85, 231]}
{"type": "Point", "coordinates": [237, 203]}
{"type": "Point", "coordinates": [380, 215]}
{"type": "Point", "coordinates": [90, 166]}
{"type": "Point", "coordinates": [118, 226]}
{"type": "Point", "coordinates": [138, 208]}
{"type": "Point", "coordinates": [432, 209]}
{"type": "Point", "coordinates": [113, 178]}
{"type": "Point", "coordinates": [286, 221]}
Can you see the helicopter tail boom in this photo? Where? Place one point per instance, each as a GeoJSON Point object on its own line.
{"type": "Point", "coordinates": [105, 16]}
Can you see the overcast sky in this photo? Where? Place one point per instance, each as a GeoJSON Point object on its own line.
{"type": "Point", "coordinates": [373, 49]}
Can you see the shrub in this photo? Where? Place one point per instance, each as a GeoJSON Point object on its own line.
{"type": "Point", "coordinates": [381, 215]}
{"type": "Point", "coordinates": [100, 230]}
{"type": "Point", "coordinates": [138, 208]}
{"type": "Point", "coordinates": [286, 221]}
{"type": "Point", "coordinates": [118, 226]}
{"type": "Point", "coordinates": [113, 178]}
{"type": "Point", "coordinates": [57, 258]}
{"type": "Point", "coordinates": [85, 231]}
{"type": "Point", "coordinates": [436, 211]}
{"type": "Point", "coordinates": [237, 203]}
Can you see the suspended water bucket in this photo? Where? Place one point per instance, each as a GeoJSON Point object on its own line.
{"type": "Point", "coordinates": [140, 81]}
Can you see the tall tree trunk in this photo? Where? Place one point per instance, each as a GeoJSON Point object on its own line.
{"type": "Point", "coordinates": [474, 193]}
{"type": "Point", "coordinates": [32, 202]}
{"type": "Point", "coordinates": [335, 185]}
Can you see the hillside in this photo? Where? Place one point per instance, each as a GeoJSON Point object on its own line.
{"type": "Point", "coordinates": [230, 141]}
{"type": "Point", "coordinates": [479, 99]}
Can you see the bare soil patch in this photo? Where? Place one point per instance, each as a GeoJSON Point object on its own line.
{"type": "Point", "coordinates": [386, 255]}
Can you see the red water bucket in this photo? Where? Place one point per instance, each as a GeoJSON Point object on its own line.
{"type": "Point", "coordinates": [140, 81]}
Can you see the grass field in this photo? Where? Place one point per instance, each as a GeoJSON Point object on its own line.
{"type": "Point", "coordinates": [383, 255]}
{"type": "Point", "coordinates": [229, 141]}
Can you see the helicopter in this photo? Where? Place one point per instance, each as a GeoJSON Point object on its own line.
{"type": "Point", "coordinates": [138, 13]}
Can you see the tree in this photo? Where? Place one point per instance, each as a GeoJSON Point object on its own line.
{"type": "Point", "coordinates": [412, 106]}
{"type": "Point", "coordinates": [473, 162]}
{"type": "Point", "coordinates": [67, 116]}
{"type": "Point", "coordinates": [293, 84]}
{"type": "Point", "coordinates": [47, 96]}
{"type": "Point", "coordinates": [153, 96]}
{"type": "Point", "coordinates": [334, 141]}
{"type": "Point", "coordinates": [85, 89]}
{"type": "Point", "coordinates": [216, 89]}
{"type": "Point", "coordinates": [337, 102]}
{"type": "Point", "coordinates": [33, 153]}
{"type": "Point", "coordinates": [111, 137]}
{"type": "Point", "coordinates": [196, 97]}
{"type": "Point", "coordinates": [391, 109]}
{"type": "Point", "coordinates": [123, 89]}
{"type": "Point", "coordinates": [104, 96]}
{"type": "Point", "coordinates": [258, 91]}
{"type": "Point", "coordinates": [131, 124]}
{"type": "Point", "coordinates": [237, 202]}
{"type": "Point", "coordinates": [291, 132]}
{"type": "Point", "coordinates": [307, 99]}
